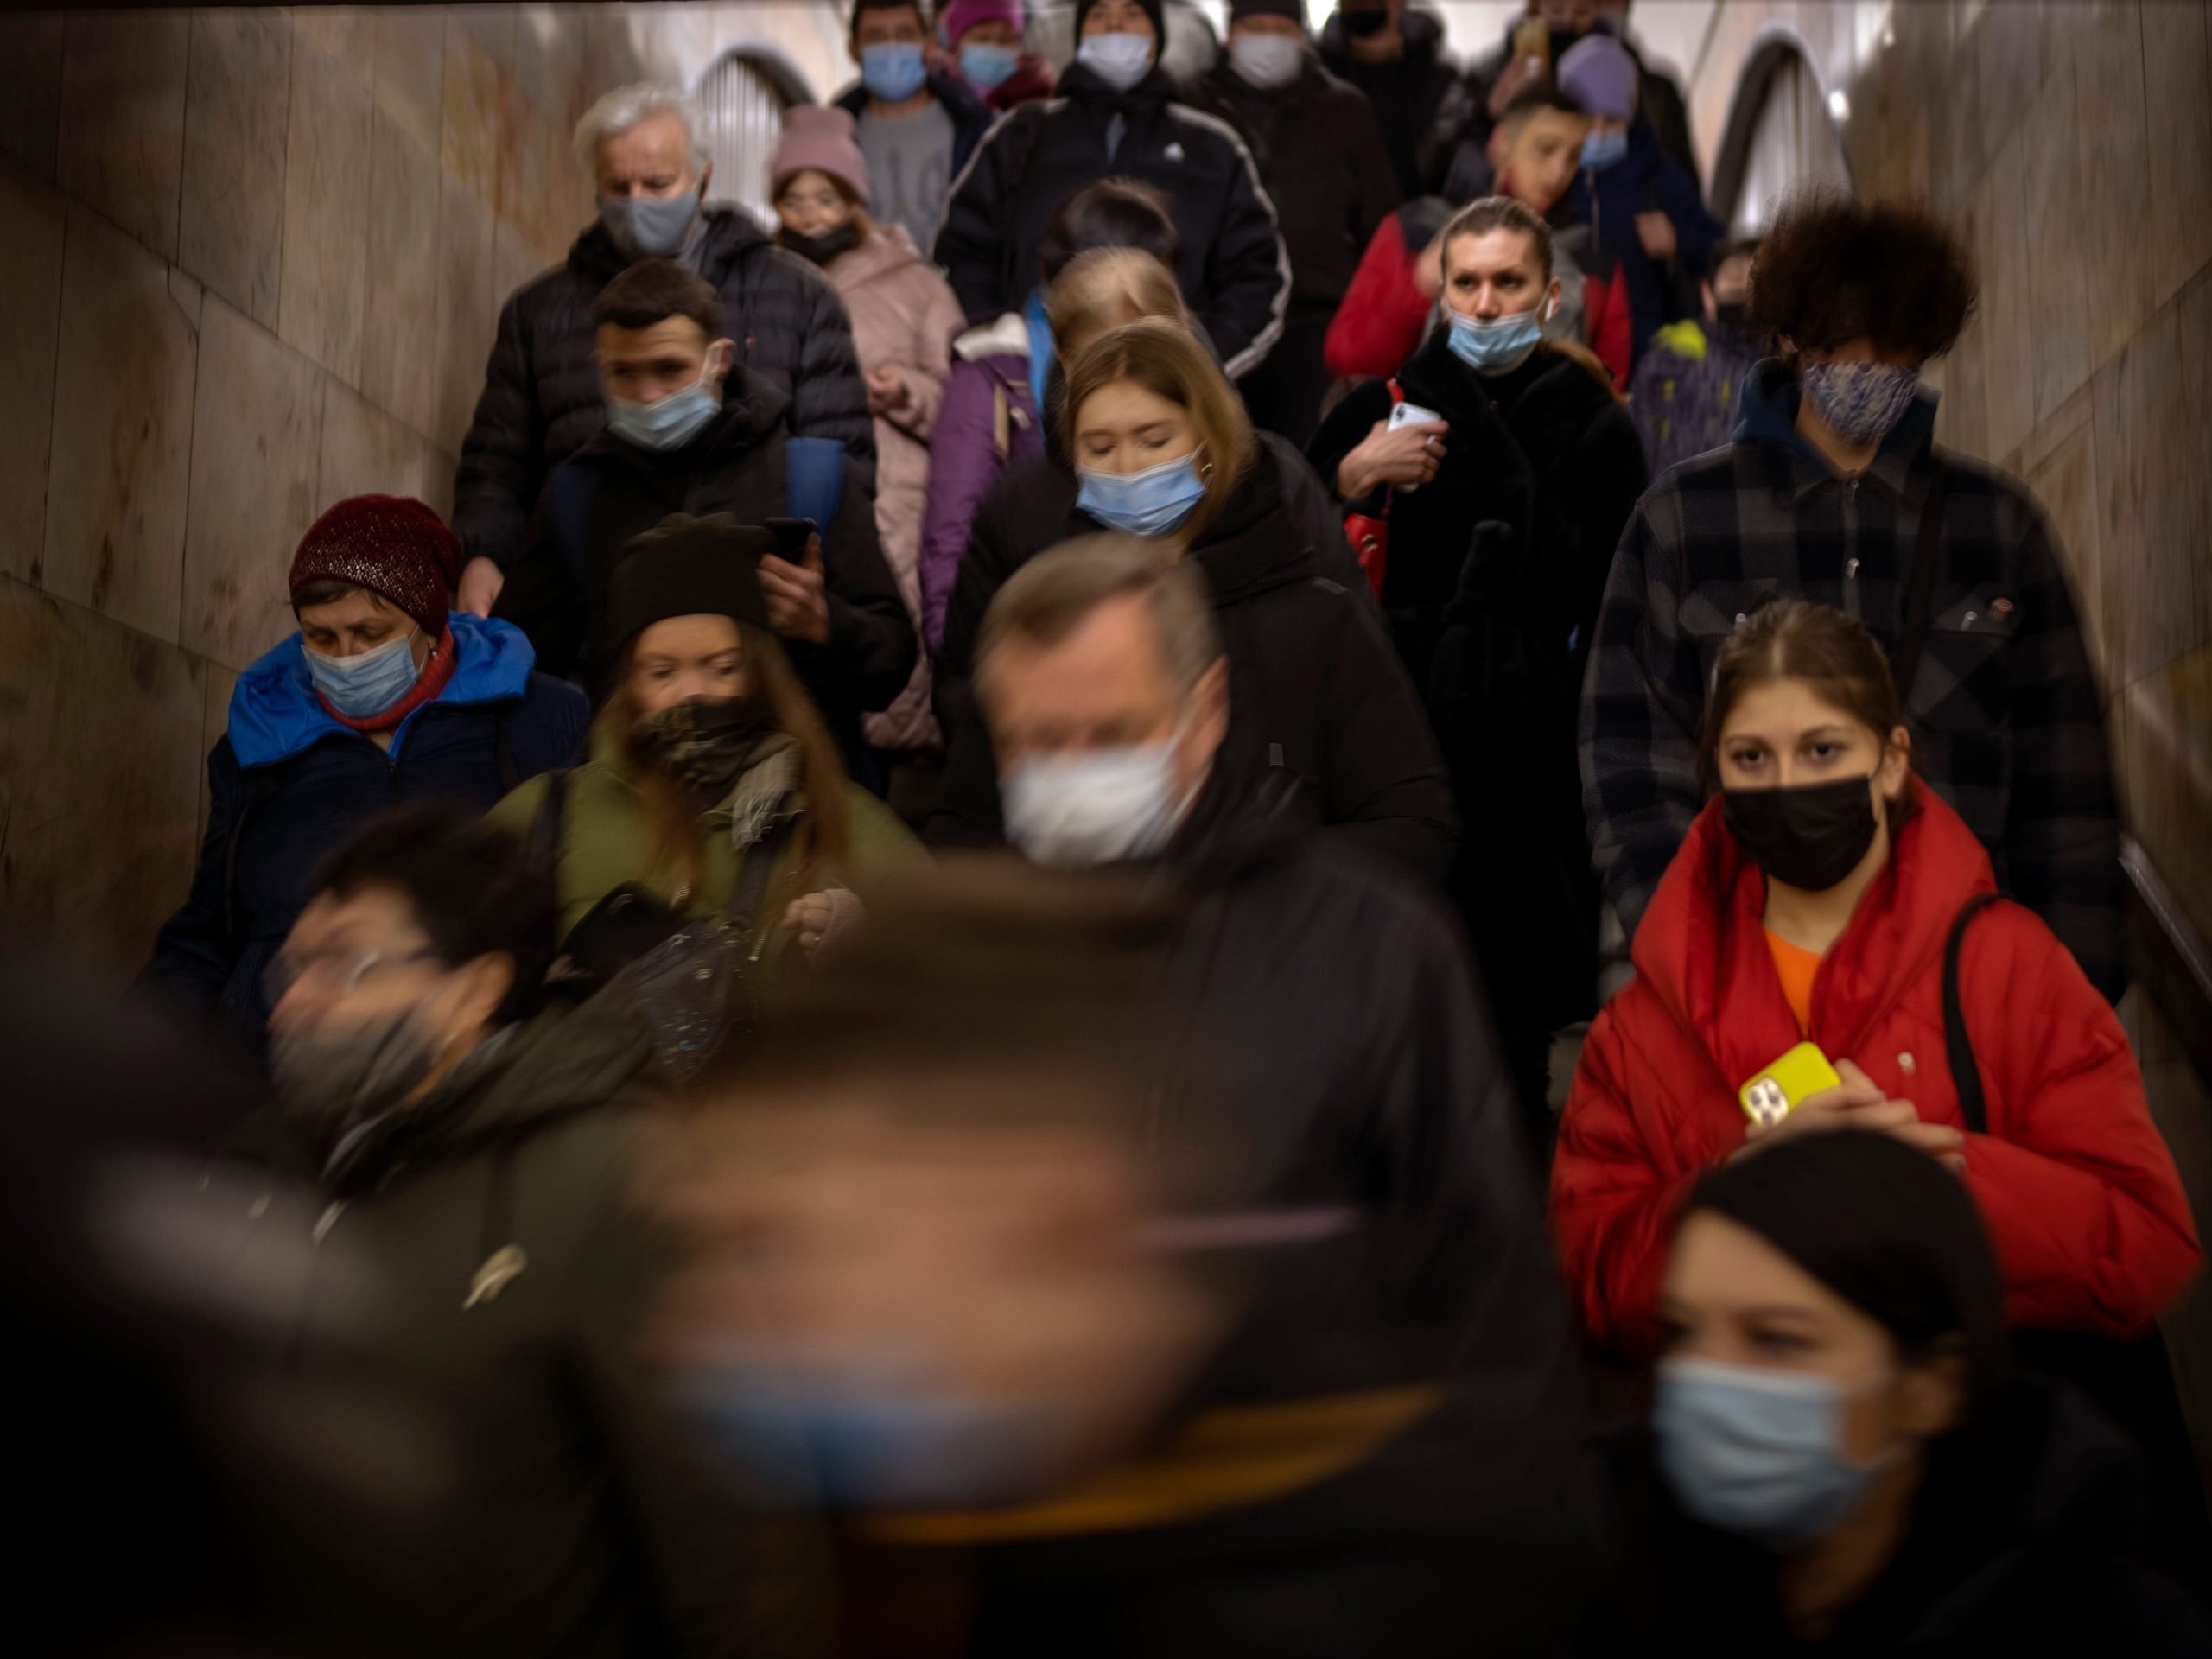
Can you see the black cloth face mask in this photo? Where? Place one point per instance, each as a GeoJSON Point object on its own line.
{"type": "Point", "coordinates": [820, 249]}
{"type": "Point", "coordinates": [1809, 836]}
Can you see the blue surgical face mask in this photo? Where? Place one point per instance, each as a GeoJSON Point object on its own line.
{"type": "Point", "coordinates": [1120, 61]}
{"type": "Point", "coordinates": [1861, 401]}
{"type": "Point", "coordinates": [1601, 149]}
{"type": "Point", "coordinates": [893, 71]}
{"type": "Point", "coordinates": [357, 687]}
{"type": "Point", "coordinates": [668, 424]}
{"type": "Point", "coordinates": [987, 68]}
{"type": "Point", "coordinates": [1150, 503]}
{"type": "Point", "coordinates": [1757, 1454]}
{"type": "Point", "coordinates": [1496, 347]}
{"type": "Point", "coordinates": [649, 227]}
{"type": "Point", "coordinates": [1075, 811]}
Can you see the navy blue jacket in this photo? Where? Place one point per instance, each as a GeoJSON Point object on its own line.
{"type": "Point", "coordinates": [1646, 180]}
{"type": "Point", "coordinates": [286, 782]}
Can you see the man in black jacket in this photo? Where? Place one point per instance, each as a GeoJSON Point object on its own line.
{"type": "Point", "coordinates": [540, 398]}
{"type": "Point", "coordinates": [1395, 56]}
{"type": "Point", "coordinates": [692, 433]}
{"type": "Point", "coordinates": [1320, 155]}
{"type": "Point", "coordinates": [1116, 114]}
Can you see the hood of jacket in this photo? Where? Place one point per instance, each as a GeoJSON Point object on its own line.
{"type": "Point", "coordinates": [522, 1079]}
{"type": "Point", "coordinates": [275, 713]}
{"type": "Point", "coordinates": [886, 251]}
{"type": "Point", "coordinates": [1223, 80]}
{"type": "Point", "coordinates": [753, 409]}
{"type": "Point", "coordinates": [727, 234]}
{"type": "Point", "coordinates": [1423, 32]}
{"type": "Point", "coordinates": [1702, 947]}
{"type": "Point", "coordinates": [1768, 413]}
{"type": "Point", "coordinates": [1008, 337]}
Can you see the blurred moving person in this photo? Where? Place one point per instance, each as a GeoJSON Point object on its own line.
{"type": "Point", "coordinates": [1116, 113]}
{"type": "Point", "coordinates": [904, 318]}
{"type": "Point", "coordinates": [1688, 391]}
{"type": "Point", "coordinates": [692, 431]}
{"type": "Point", "coordinates": [1504, 503]}
{"type": "Point", "coordinates": [382, 694]}
{"type": "Point", "coordinates": [1839, 1458]}
{"type": "Point", "coordinates": [476, 1156]}
{"type": "Point", "coordinates": [916, 130]}
{"type": "Point", "coordinates": [998, 396]}
{"type": "Point", "coordinates": [1827, 895]}
{"type": "Point", "coordinates": [1395, 54]}
{"type": "Point", "coordinates": [713, 790]}
{"type": "Point", "coordinates": [1162, 448]}
{"type": "Point", "coordinates": [1529, 57]}
{"type": "Point", "coordinates": [1834, 491]}
{"type": "Point", "coordinates": [1320, 153]}
{"type": "Point", "coordinates": [542, 397]}
{"type": "Point", "coordinates": [985, 39]}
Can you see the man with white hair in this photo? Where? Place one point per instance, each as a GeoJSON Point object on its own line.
{"type": "Point", "coordinates": [542, 399]}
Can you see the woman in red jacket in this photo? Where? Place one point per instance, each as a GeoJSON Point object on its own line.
{"type": "Point", "coordinates": [1812, 900]}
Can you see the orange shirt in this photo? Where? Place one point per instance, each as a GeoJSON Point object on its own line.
{"type": "Point", "coordinates": [1796, 966]}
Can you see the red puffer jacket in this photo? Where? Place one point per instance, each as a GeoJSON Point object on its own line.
{"type": "Point", "coordinates": [2077, 1189]}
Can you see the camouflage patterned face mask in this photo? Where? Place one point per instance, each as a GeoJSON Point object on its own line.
{"type": "Point", "coordinates": [705, 744]}
{"type": "Point", "coordinates": [1860, 401]}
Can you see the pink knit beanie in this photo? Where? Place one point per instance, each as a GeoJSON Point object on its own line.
{"type": "Point", "coordinates": [818, 137]}
{"type": "Point", "coordinates": [960, 15]}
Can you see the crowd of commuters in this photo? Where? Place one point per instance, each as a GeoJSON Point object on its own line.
{"type": "Point", "coordinates": [914, 992]}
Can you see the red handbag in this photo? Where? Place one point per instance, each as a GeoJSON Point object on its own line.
{"type": "Point", "coordinates": [1370, 532]}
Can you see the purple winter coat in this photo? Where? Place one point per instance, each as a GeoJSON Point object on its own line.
{"type": "Point", "coordinates": [987, 399]}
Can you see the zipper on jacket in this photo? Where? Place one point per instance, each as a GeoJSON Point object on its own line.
{"type": "Point", "coordinates": [1851, 600]}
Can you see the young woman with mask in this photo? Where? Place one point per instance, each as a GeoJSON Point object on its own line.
{"type": "Point", "coordinates": [382, 694]}
{"type": "Point", "coordinates": [1116, 111]}
{"type": "Point", "coordinates": [1814, 902]}
{"type": "Point", "coordinates": [1160, 448]}
{"type": "Point", "coordinates": [708, 756]}
{"type": "Point", "coordinates": [904, 318]}
{"type": "Point", "coordinates": [1839, 1458]}
{"type": "Point", "coordinates": [1504, 505]}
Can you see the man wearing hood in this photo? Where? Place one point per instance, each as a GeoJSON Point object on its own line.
{"type": "Point", "coordinates": [1320, 155]}
{"type": "Point", "coordinates": [540, 400]}
{"type": "Point", "coordinates": [1395, 55]}
{"type": "Point", "coordinates": [1833, 491]}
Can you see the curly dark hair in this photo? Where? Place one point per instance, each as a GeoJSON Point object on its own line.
{"type": "Point", "coordinates": [1832, 270]}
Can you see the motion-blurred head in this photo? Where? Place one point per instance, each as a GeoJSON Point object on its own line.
{"type": "Point", "coordinates": [1101, 674]}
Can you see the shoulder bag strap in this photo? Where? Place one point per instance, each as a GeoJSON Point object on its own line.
{"type": "Point", "coordinates": [1920, 592]}
{"type": "Point", "coordinates": [752, 873]}
{"type": "Point", "coordinates": [1965, 1073]}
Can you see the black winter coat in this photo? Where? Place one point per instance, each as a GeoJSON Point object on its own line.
{"type": "Point", "coordinates": [2015, 1548]}
{"type": "Point", "coordinates": [472, 1277]}
{"type": "Point", "coordinates": [286, 783]}
{"type": "Point", "coordinates": [1314, 689]}
{"type": "Point", "coordinates": [612, 490]}
{"type": "Point", "coordinates": [1496, 569]}
{"type": "Point", "coordinates": [1418, 98]}
{"type": "Point", "coordinates": [1233, 269]}
{"type": "Point", "coordinates": [1337, 1069]}
{"type": "Point", "coordinates": [1320, 153]}
{"type": "Point", "coordinates": [542, 400]}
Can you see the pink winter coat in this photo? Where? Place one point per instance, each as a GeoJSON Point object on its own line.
{"type": "Point", "coordinates": [904, 317]}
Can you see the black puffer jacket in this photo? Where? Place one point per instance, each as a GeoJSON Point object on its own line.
{"type": "Point", "coordinates": [1233, 269]}
{"type": "Point", "coordinates": [1320, 155]}
{"type": "Point", "coordinates": [541, 398]}
{"type": "Point", "coordinates": [611, 490]}
{"type": "Point", "coordinates": [1314, 688]}
{"type": "Point", "coordinates": [478, 1270]}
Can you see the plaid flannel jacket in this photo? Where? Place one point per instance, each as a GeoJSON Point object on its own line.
{"type": "Point", "coordinates": [2005, 720]}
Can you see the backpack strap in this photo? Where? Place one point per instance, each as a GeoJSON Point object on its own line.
{"type": "Point", "coordinates": [1958, 1047]}
{"type": "Point", "coordinates": [752, 873]}
{"type": "Point", "coordinates": [1919, 614]}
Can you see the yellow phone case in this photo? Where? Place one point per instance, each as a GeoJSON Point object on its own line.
{"type": "Point", "coordinates": [1769, 1097]}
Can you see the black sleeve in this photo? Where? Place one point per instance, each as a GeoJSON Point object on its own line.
{"type": "Point", "coordinates": [1610, 474]}
{"type": "Point", "coordinates": [872, 646]}
{"type": "Point", "coordinates": [541, 596]}
{"type": "Point", "coordinates": [197, 950]}
{"type": "Point", "coordinates": [503, 457]}
{"type": "Point", "coordinates": [1246, 286]}
{"type": "Point", "coordinates": [828, 398]}
{"type": "Point", "coordinates": [967, 812]}
{"type": "Point", "coordinates": [1346, 428]}
{"type": "Point", "coordinates": [971, 246]}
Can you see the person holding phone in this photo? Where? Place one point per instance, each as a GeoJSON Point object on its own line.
{"type": "Point", "coordinates": [1819, 899]}
{"type": "Point", "coordinates": [692, 430]}
{"type": "Point", "coordinates": [1505, 467]}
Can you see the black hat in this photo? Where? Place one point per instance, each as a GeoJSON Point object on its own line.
{"type": "Point", "coordinates": [689, 567]}
{"type": "Point", "coordinates": [1155, 9]}
{"type": "Point", "coordinates": [1293, 9]}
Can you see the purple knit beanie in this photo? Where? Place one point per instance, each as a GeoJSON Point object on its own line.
{"type": "Point", "coordinates": [1597, 74]}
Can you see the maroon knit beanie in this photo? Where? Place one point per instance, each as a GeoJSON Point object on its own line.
{"type": "Point", "coordinates": [392, 545]}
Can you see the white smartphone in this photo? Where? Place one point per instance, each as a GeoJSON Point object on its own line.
{"type": "Point", "coordinates": [1406, 415]}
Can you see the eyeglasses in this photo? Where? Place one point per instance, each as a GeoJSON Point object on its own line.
{"type": "Point", "coordinates": [334, 973]}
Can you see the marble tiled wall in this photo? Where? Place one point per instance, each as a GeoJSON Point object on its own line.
{"type": "Point", "coordinates": [252, 262]}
